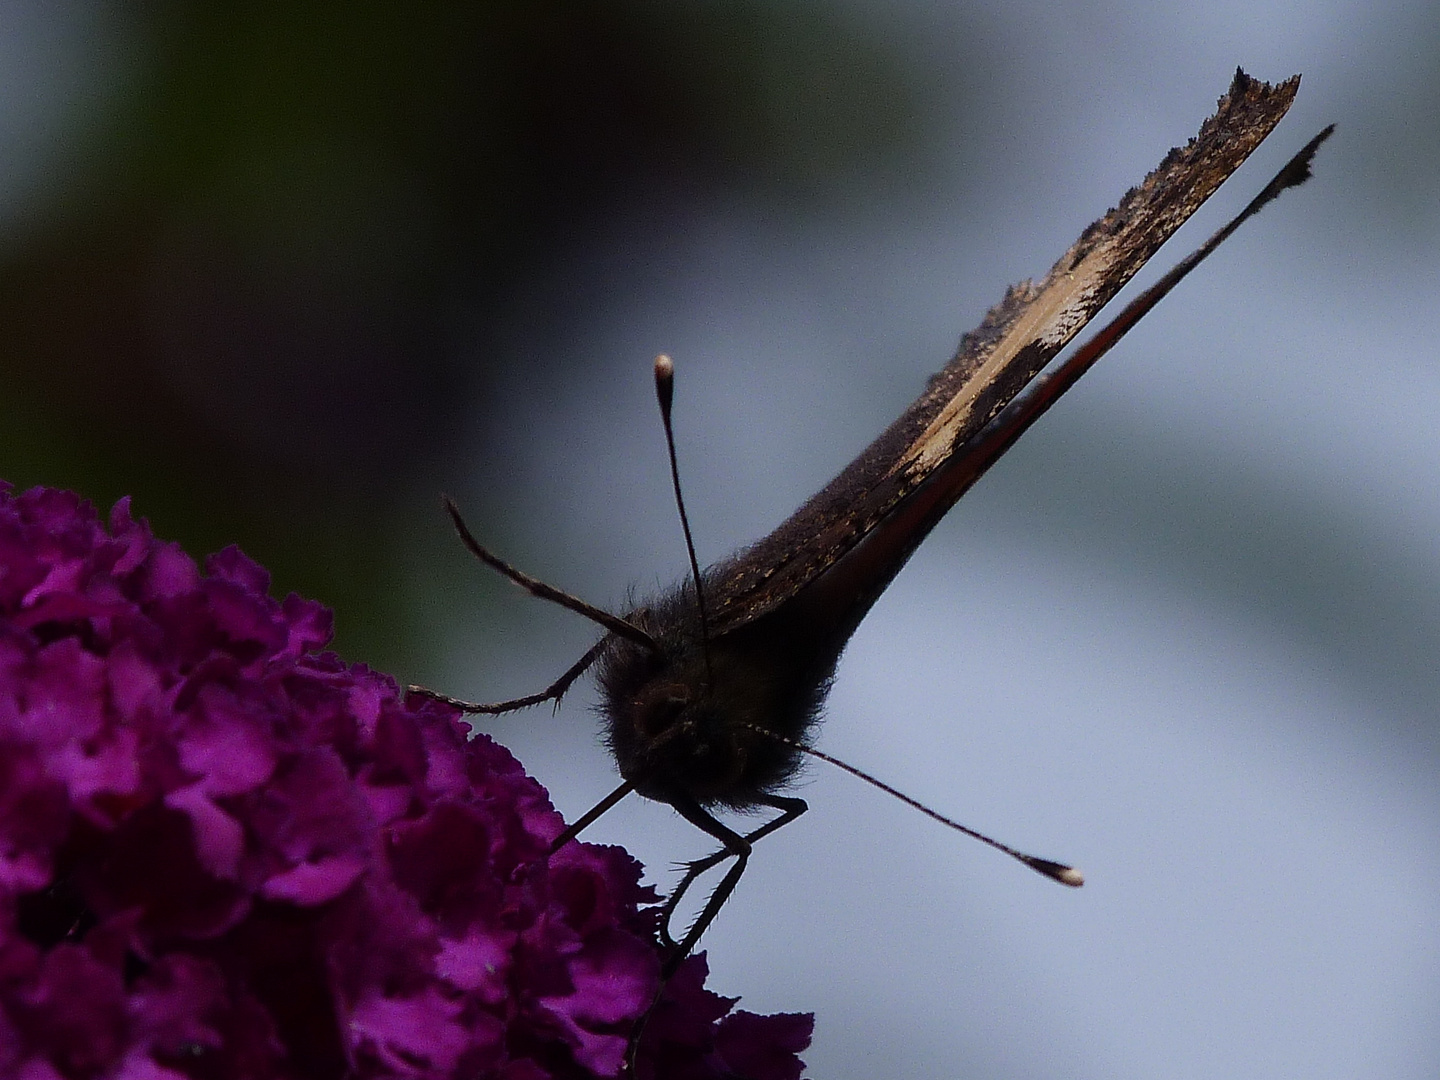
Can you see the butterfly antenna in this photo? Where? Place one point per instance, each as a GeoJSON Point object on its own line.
{"type": "Point", "coordinates": [665, 393]}
{"type": "Point", "coordinates": [1065, 875]}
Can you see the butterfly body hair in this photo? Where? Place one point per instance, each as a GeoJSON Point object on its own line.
{"type": "Point", "coordinates": [688, 720]}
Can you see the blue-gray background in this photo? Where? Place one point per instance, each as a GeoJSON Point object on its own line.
{"type": "Point", "coordinates": [1185, 635]}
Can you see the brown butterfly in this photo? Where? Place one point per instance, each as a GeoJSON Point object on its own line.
{"type": "Point", "coordinates": [712, 690]}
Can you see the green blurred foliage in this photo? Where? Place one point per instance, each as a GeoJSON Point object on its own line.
{"type": "Point", "coordinates": [248, 308]}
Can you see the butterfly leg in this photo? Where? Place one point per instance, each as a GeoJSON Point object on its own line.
{"type": "Point", "coordinates": [736, 846]}
{"type": "Point", "coordinates": [536, 587]}
{"type": "Point", "coordinates": [554, 692]}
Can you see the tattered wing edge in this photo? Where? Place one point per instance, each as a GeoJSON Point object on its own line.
{"type": "Point", "coordinates": [1016, 340]}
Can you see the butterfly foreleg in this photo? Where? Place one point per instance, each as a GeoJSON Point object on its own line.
{"type": "Point", "coordinates": [535, 587]}
{"type": "Point", "coordinates": [554, 692]}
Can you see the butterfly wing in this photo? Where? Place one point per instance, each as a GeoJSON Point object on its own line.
{"type": "Point", "coordinates": [873, 515]}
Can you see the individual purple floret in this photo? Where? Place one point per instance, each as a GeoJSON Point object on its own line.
{"type": "Point", "coordinates": [227, 855]}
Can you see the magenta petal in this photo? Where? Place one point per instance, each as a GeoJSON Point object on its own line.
{"type": "Point", "coordinates": [234, 566]}
{"type": "Point", "coordinates": [74, 1013]}
{"type": "Point", "coordinates": [421, 1035]}
{"type": "Point", "coordinates": [219, 838]}
{"type": "Point", "coordinates": [34, 812]}
{"type": "Point", "coordinates": [167, 572]}
{"type": "Point", "coordinates": [315, 883]}
{"type": "Point", "coordinates": [478, 963]}
{"type": "Point", "coordinates": [226, 855]}
{"type": "Point", "coordinates": [106, 764]}
{"type": "Point", "coordinates": [386, 803]}
{"type": "Point", "coordinates": [134, 683]}
{"type": "Point", "coordinates": [63, 578]}
{"type": "Point", "coordinates": [613, 978]}
{"type": "Point", "coordinates": [226, 744]}
{"type": "Point", "coordinates": [64, 696]}
{"type": "Point", "coordinates": [311, 625]}
{"type": "Point", "coordinates": [170, 1003]}
{"type": "Point", "coordinates": [764, 1047]}
{"type": "Point", "coordinates": [38, 1069]}
{"type": "Point", "coordinates": [141, 1066]}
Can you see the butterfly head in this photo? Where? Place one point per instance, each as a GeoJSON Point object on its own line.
{"type": "Point", "coordinates": [679, 739]}
{"type": "Point", "coordinates": [683, 719]}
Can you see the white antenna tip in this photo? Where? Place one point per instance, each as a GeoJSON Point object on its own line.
{"type": "Point", "coordinates": [664, 386]}
{"type": "Point", "coordinates": [1055, 871]}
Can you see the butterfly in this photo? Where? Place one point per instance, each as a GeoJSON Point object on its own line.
{"type": "Point", "coordinates": [711, 692]}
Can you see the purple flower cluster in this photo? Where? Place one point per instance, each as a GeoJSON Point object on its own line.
{"type": "Point", "coordinates": [226, 854]}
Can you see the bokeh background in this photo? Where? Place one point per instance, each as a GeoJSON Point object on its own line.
{"type": "Point", "coordinates": [284, 271]}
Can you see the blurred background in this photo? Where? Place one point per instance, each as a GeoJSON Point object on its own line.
{"type": "Point", "coordinates": [283, 272]}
